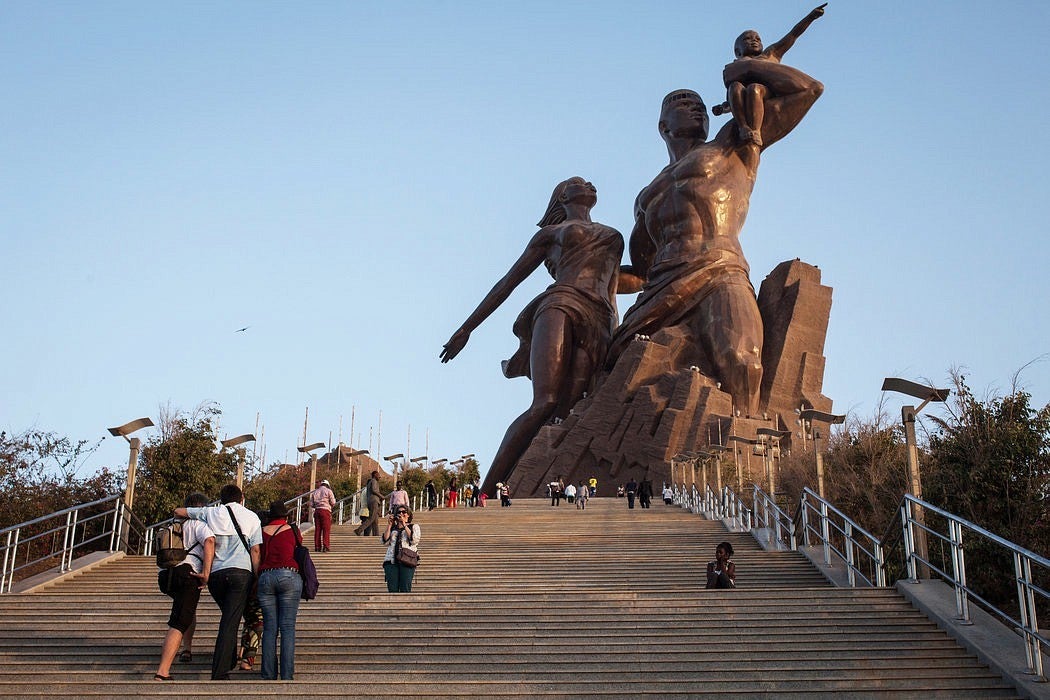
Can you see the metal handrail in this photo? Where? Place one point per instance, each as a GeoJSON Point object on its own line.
{"type": "Point", "coordinates": [779, 526]}
{"type": "Point", "coordinates": [735, 510]}
{"type": "Point", "coordinates": [67, 523]}
{"type": "Point", "coordinates": [842, 528]}
{"type": "Point", "coordinates": [1027, 590]}
{"type": "Point", "coordinates": [356, 498]}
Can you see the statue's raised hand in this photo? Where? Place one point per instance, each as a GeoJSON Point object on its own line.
{"type": "Point", "coordinates": [455, 344]}
{"type": "Point", "coordinates": [818, 11]}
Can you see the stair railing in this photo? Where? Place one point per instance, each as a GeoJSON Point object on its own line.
{"type": "Point", "coordinates": [1029, 568]}
{"type": "Point", "coordinates": [778, 525]}
{"type": "Point", "coordinates": [839, 535]}
{"type": "Point", "coordinates": [61, 535]}
{"type": "Point", "coordinates": [735, 510]}
{"type": "Point", "coordinates": [357, 502]}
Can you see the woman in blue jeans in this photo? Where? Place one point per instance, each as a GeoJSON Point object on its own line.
{"type": "Point", "coordinates": [279, 589]}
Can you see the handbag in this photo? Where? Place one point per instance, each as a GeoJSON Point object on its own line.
{"type": "Point", "coordinates": [307, 570]}
{"type": "Point", "coordinates": [407, 557]}
{"type": "Point", "coordinates": [404, 556]}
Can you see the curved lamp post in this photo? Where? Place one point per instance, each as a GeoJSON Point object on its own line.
{"type": "Point", "coordinates": [234, 442]}
{"type": "Point", "coordinates": [133, 459]}
{"type": "Point", "coordinates": [908, 414]}
{"type": "Point", "coordinates": [770, 439]}
{"type": "Point", "coordinates": [807, 416]}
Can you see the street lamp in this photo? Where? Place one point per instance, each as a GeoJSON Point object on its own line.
{"type": "Point", "coordinates": [770, 439]}
{"type": "Point", "coordinates": [391, 459]}
{"type": "Point", "coordinates": [133, 459]}
{"type": "Point", "coordinates": [736, 458]}
{"type": "Point", "coordinates": [233, 442]}
{"type": "Point", "coordinates": [807, 416]}
{"type": "Point", "coordinates": [908, 414]}
{"type": "Point", "coordinates": [309, 450]}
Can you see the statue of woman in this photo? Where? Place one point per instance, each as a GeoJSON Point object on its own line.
{"type": "Point", "coordinates": [565, 331]}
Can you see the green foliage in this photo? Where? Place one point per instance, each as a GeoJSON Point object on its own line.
{"type": "Point", "coordinates": [38, 475]}
{"type": "Point", "coordinates": [989, 462]}
{"type": "Point", "coordinates": [180, 459]}
{"type": "Point", "coordinates": [470, 472]}
{"type": "Point", "coordinates": [286, 481]}
{"type": "Point", "coordinates": [413, 480]}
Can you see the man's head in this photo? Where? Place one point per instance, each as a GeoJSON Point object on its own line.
{"type": "Point", "coordinates": [231, 493]}
{"type": "Point", "coordinates": [324, 482]}
{"type": "Point", "coordinates": [683, 115]}
{"type": "Point", "coordinates": [749, 43]}
{"type": "Point", "coordinates": [195, 500]}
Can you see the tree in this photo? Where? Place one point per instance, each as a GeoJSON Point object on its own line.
{"type": "Point", "coordinates": [989, 462]}
{"type": "Point", "coordinates": [38, 476]}
{"type": "Point", "coordinates": [179, 459]}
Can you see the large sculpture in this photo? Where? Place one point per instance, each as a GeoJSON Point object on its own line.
{"type": "Point", "coordinates": [686, 238]}
{"type": "Point", "coordinates": [714, 359]}
{"type": "Point", "coordinates": [564, 332]}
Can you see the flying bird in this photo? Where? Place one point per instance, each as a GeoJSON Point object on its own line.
{"type": "Point", "coordinates": [239, 330]}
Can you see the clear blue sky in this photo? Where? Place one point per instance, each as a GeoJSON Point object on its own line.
{"type": "Point", "coordinates": [348, 179]}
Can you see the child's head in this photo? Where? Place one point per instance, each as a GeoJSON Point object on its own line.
{"type": "Point", "coordinates": [749, 43]}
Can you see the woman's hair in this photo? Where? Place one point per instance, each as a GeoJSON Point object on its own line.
{"type": "Point", "coordinates": [555, 213]}
{"type": "Point", "coordinates": [726, 546]}
{"type": "Point", "coordinates": [195, 500]}
{"type": "Point", "coordinates": [403, 509]}
{"type": "Point", "coordinates": [278, 510]}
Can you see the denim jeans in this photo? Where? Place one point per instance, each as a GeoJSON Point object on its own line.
{"type": "Point", "coordinates": [398, 577]}
{"type": "Point", "coordinates": [279, 591]}
{"type": "Point", "coordinates": [229, 588]}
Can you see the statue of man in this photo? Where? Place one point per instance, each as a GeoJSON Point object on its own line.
{"type": "Point", "coordinates": [686, 239]}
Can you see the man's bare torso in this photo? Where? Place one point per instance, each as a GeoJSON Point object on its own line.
{"type": "Point", "coordinates": [696, 207]}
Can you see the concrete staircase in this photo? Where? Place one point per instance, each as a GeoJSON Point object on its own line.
{"type": "Point", "coordinates": [526, 601]}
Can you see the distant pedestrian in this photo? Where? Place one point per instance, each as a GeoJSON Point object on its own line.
{"type": "Point", "coordinates": [645, 493]}
{"type": "Point", "coordinates": [374, 501]}
{"type": "Point", "coordinates": [453, 492]}
{"type": "Point", "coordinates": [399, 497]}
{"type": "Point", "coordinates": [322, 500]}
{"type": "Point", "coordinates": [504, 496]}
{"type": "Point", "coordinates": [583, 494]}
{"type": "Point", "coordinates": [668, 494]}
{"type": "Point", "coordinates": [632, 491]}
{"type": "Point", "coordinates": [431, 493]}
{"type": "Point", "coordinates": [592, 485]}
{"type": "Point", "coordinates": [555, 492]}
{"type": "Point", "coordinates": [570, 493]}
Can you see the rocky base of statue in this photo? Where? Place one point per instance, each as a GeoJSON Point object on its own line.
{"type": "Point", "coordinates": [646, 411]}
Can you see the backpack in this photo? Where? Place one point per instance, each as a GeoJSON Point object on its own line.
{"type": "Point", "coordinates": [170, 547]}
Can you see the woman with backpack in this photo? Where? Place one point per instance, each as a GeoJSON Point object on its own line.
{"type": "Point", "coordinates": [183, 583]}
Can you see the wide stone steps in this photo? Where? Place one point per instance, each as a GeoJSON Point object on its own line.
{"type": "Point", "coordinates": [527, 601]}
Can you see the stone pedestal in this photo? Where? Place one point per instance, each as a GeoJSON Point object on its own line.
{"type": "Point", "coordinates": [646, 410]}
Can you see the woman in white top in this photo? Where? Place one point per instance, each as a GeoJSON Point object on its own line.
{"type": "Point", "coordinates": [183, 583]}
{"type": "Point", "coordinates": [400, 533]}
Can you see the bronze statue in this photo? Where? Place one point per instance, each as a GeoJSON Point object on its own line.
{"type": "Point", "coordinates": [747, 102]}
{"type": "Point", "coordinates": [685, 243]}
{"type": "Point", "coordinates": [565, 331]}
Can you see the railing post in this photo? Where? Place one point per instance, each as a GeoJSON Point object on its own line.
{"type": "Point", "coordinates": [805, 521]}
{"type": "Point", "coordinates": [8, 556]}
{"type": "Point", "coordinates": [850, 573]}
{"type": "Point", "coordinates": [118, 526]}
{"type": "Point", "coordinates": [962, 600]}
{"type": "Point", "coordinates": [909, 551]}
{"type": "Point", "coordinates": [880, 565]}
{"type": "Point", "coordinates": [825, 533]}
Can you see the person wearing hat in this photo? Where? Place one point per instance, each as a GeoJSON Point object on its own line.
{"type": "Point", "coordinates": [322, 501]}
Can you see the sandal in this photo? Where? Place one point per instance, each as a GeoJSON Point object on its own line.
{"type": "Point", "coordinates": [185, 657]}
{"type": "Point", "coordinates": [158, 677]}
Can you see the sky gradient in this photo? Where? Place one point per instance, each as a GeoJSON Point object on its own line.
{"type": "Point", "coordinates": [349, 179]}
